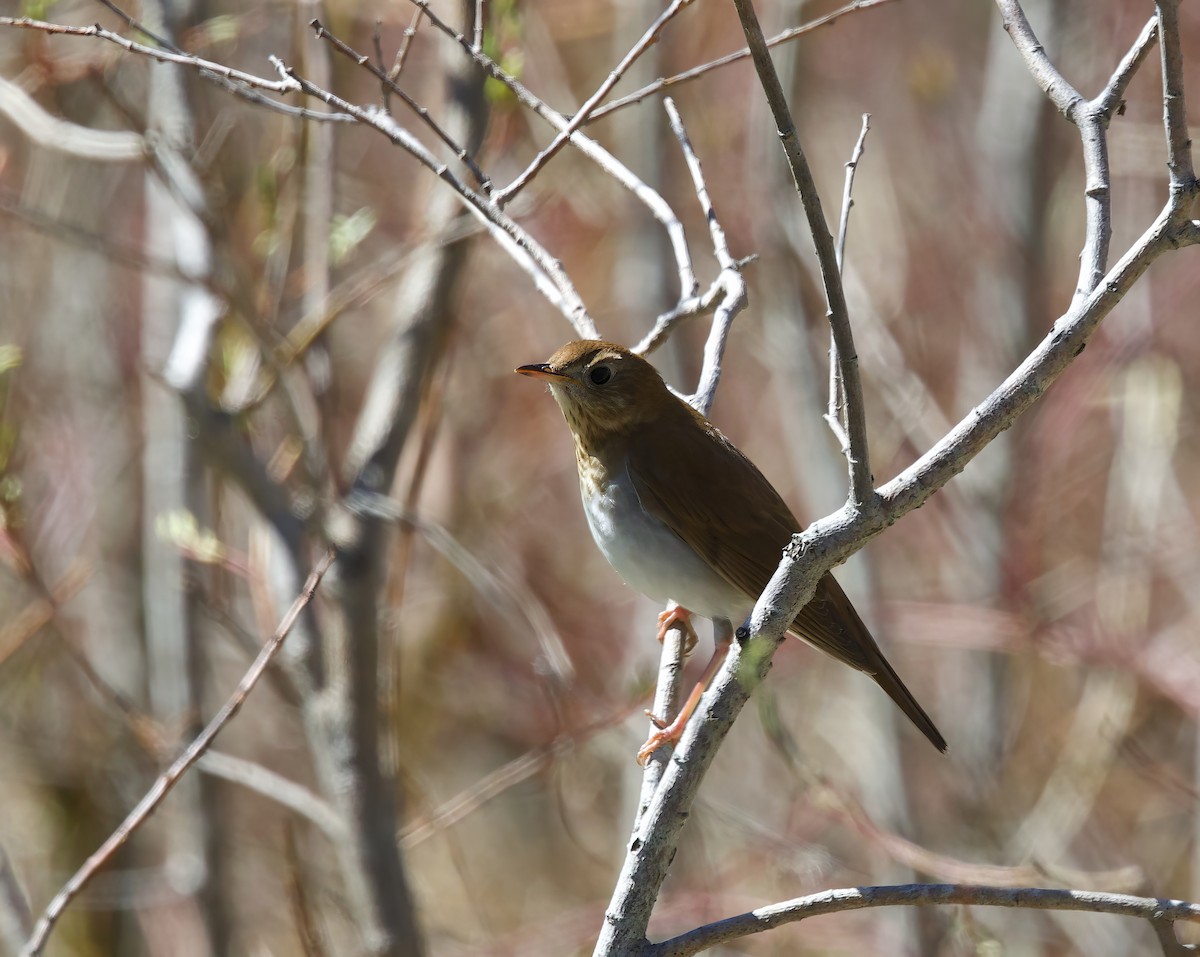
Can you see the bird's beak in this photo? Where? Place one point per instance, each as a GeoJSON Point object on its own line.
{"type": "Point", "coordinates": [541, 370]}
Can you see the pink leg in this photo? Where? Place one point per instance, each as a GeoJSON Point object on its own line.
{"type": "Point", "coordinates": [677, 613]}
{"type": "Point", "coordinates": [671, 733]}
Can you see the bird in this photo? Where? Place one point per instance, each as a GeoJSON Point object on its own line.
{"type": "Point", "coordinates": [684, 516]}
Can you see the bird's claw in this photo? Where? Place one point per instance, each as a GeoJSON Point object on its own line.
{"type": "Point", "coordinates": [667, 735]}
{"type": "Point", "coordinates": [677, 615]}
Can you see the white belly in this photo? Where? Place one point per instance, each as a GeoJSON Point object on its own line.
{"type": "Point", "coordinates": [653, 559]}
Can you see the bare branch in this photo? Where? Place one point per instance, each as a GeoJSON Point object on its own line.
{"type": "Point", "coordinates": [169, 778]}
{"type": "Point", "coordinates": [1179, 143]}
{"type": "Point", "coordinates": [422, 112]}
{"type": "Point", "coordinates": [547, 273]}
{"type": "Point", "coordinates": [848, 190]}
{"type": "Point", "coordinates": [1064, 96]}
{"type": "Point", "coordinates": [668, 698]}
{"type": "Point", "coordinates": [820, 547]}
{"type": "Point", "coordinates": [477, 26]}
{"type": "Point", "coordinates": [835, 409]}
{"type": "Point", "coordinates": [648, 38]}
{"type": "Point", "coordinates": [729, 282]}
{"type": "Point", "coordinates": [696, 72]}
{"type": "Point", "coordinates": [245, 85]}
{"type": "Point", "coordinates": [405, 42]}
{"type": "Point", "coordinates": [277, 788]}
{"type": "Point", "coordinates": [1111, 96]}
{"type": "Point", "coordinates": [858, 455]}
{"type": "Point", "coordinates": [53, 132]}
{"type": "Point", "coordinates": [658, 207]}
{"type": "Point", "coordinates": [1158, 910]}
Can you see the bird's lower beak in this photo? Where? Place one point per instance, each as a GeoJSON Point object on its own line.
{"type": "Point", "coordinates": [541, 371]}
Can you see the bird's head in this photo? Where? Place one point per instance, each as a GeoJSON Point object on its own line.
{"type": "Point", "coordinates": [603, 389]}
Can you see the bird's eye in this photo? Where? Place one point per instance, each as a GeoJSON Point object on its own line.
{"type": "Point", "coordinates": [600, 375]}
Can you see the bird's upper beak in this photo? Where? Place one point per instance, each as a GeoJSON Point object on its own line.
{"type": "Point", "coordinates": [541, 370]}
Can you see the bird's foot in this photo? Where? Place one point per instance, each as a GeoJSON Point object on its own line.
{"type": "Point", "coordinates": [672, 732]}
{"type": "Point", "coordinates": [677, 614]}
{"type": "Point", "coordinates": [667, 733]}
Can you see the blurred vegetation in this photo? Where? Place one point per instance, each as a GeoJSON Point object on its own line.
{"type": "Point", "coordinates": [1043, 607]}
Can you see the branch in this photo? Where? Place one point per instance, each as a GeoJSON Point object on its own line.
{"type": "Point", "coordinates": [1158, 911]}
{"type": "Point", "coordinates": [390, 85]}
{"type": "Point", "coordinates": [1091, 117]}
{"type": "Point", "coordinates": [729, 286]}
{"type": "Point", "coordinates": [547, 273]}
{"type": "Point", "coordinates": [647, 39]}
{"type": "Point", "coordinates": [858, 455]}
{"type": "Point", "coordinates": [1179, 144]}
{"type": "Point", "coordinates": [696, 72]}
{"type": "Point", "coordinates": [1064, 96]}
{"type": "Point", "coordinates": [53, 132]}
{"type": "Point", "coordinates": [658, 207]}
{"type": "Point", "coordinates": [819, 548]}
{"type": "Point", "coordinates": [275, 787]}
{"type": "Point", "coordinates": [169, 778]}
{"type": "Point", "coordinates": [1111, 96]}
{"type": "Point", "coordinates": [837, 389]}
{"type": "Point", "coordinates": [244, 85]}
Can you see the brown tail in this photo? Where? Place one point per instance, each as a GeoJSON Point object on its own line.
{"type": "Point", "coordinates": [830, 623]}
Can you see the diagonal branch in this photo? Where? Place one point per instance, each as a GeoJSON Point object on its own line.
{"type": "Point", "coordinates": [1158, 911]}
{"type": "Point", "coordinates": [835, 410]}
{"type": "Point", "coordinates": [509, 193]}
{"type": "Point", "coordinates": [547, 273]}
{"type": "Point", "coordinates": [169, 778]}
{"type": "Point", "coordinates": [651, 199]}
{"type": "Point", "coordinates": [827, 543]}
{"type": "Point", "coordinates": [858, 455]}
{"type": "Point", "coordinates": [390, 86]}
{"type": "Point", "coordinates": [1179, 143]}
{"type": "Point", "coordinates": [1111, 96]}
{"type": "Point", "coordinates": [698, 71]}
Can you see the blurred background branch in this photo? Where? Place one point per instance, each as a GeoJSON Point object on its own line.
{"type": "Point", "coordinates": [442, 757]}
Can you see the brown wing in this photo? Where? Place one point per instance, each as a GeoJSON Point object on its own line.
{"type": "Point", "coordinates": [722, 506]}
{"type": "Point", "coordinates": [701, 487]}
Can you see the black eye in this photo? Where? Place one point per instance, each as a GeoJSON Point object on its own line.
{"type": "Point", "coordinates": [600, 375]}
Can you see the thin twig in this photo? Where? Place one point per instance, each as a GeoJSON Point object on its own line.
{"type": "Point", "coordinates": [696, 72]}
{"type": "Point", "coordinates": [1175, 122]}
{"type": "Point", "coordinates": [659, 208]}
{"type": "Point", "coordinates": [689, 308]}
{"type": "Point", "coordinates": [385, 90]}
{"type": "Point", "coordinates": [169, 778]}
{"type": "Point", "coordinates": [1111, 96]}
{"type": "Point", "coordinates": [163, 55]}
{"type": "Point", "coordinates": [824, 544]}
{"type": "Point", "coordinates": [477, 26]}
{"type": "Point", "coordinates": [1155, 910]}
{"type": "Point", "coordinates": [647, 39]}
{"type": "Point", "coordinates": [405, 42]}
{"type": "Point", "coordinates": [277, 788]}
{"type": "Point", "coordinates": [217, 72]}
{"type": "Point", "coordinates": [857, 452]}
{"type": "Point", "coordinates": [732, 286]}
{"type": "Point", "coordinates": [848, 191]}
{"type": "Point", "coordinates": [460, 152]}
{"type": "Point", "coordinates": [837, 395]}
{"type": "Point", "coordinates": [547, 273]}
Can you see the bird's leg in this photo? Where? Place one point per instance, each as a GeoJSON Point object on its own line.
{"type": "Point", "coordinates": [672, 732]}
{"type": "Point", "coordinates": [677, 614]}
